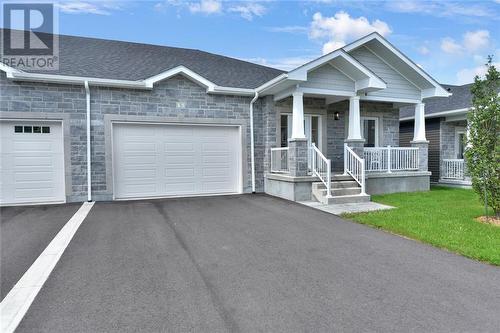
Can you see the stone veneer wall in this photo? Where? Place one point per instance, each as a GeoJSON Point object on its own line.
{"type": "Point", "coordinates": [175, 98]}
{"type": "Point", "coordinates": [337, 129]}
{"type": "Point", "coordinates": [448, 138]}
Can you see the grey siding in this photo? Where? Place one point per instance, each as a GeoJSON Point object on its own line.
{"type": "Point", "coordinates": [176, 99]}
{"type": "Point", "coordinates": [432, 133]}
{"type": "Point", "coordinates": [328, 77]}
{"type": "Point", "coordinates": [397, 85]}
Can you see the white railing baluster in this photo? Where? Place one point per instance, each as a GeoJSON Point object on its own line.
{"type": "Point", "coordinates": [322, 168]}
{"type": "Point", "coordinates": [453, 169]}
{"type": "Point", "coordinates": [389, 159]}
{"type": "Point", "coordinates": [355, 166]}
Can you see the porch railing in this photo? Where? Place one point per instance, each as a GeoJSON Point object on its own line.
{"type": "Point", "coordinates": [389, 159]}
{"type": "Point", "coordinates": [354, 166]}
{"type": "Point", "coordinates": [321, 168]}
{"type": "Point", "coordinates": [453, 169]}
{"type": "Point", "coordinates": [279, 160]}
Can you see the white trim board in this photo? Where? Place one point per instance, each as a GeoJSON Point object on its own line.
{"type": "Point", "coordinates": [441, 114]}
{"type": "Point", "coordinates": [17, 302]}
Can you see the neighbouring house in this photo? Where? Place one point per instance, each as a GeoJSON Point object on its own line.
{"type": "Point", "coordinates": [446, 130]}
{"type": "Point", "coordinates": [121, 120]}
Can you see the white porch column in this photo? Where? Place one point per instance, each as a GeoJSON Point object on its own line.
{"type": "Point", "coordinates": [354, 120]}
{"type": "Point", "coordinates": [419, 128]}
{"type": "Point", "coordinates": [298, 116]}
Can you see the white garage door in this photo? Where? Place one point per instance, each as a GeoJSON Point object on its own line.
{"type": "Point", "coordinates": [175, 160]}
{"type": "Point", "coordinates": [32, 166]}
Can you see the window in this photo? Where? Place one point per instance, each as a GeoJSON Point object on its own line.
{"type": "Point", "coordinates": [31, 129]}
{"type": "Point", "coordinates": [460, 143]}
{"type": "Point", "coordinates": [369, 128]}
{"type": "Point", "coordinates": [312, 129]}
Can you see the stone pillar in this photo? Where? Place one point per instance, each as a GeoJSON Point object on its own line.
{"type": "Point", "coordinates": [298, 115]}
{"type": "Point", "coordinates": [423, 154]}
{"type": "Point", "coordinates": [297, 157]}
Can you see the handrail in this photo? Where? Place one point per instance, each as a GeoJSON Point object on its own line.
{"type": "Point", "coordinates": [389, 159]}
{"type": "Point", "coordinates": [354, 166]}
{"type": "Point", "coordinates": [321, 167]}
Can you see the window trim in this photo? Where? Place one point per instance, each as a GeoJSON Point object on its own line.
{"type": "Point", "coordinates": [377, 132]}
{"type": "Point", "coordinates": [320, 125]}
{"type": "Point", "coordinates": [458, 131]}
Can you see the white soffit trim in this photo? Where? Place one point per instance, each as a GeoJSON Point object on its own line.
{"type": "Point", "coordinates": [441, 114]}
{"type": "Point", "coordinates": [439, 91]}
{"type": "Point", "coordinates": [140, 84]}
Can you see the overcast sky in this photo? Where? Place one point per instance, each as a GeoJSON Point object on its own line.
{"type": "Point", "coordinates": [449, 39]}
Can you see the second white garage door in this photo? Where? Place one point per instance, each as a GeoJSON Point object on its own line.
{"type": "Point", "coordinates": [175, 160]}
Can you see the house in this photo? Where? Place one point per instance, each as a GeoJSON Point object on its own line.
{"type": "Point", "coordinates": [121, 120]}
{"type": "Point", "coordinates": [446, 130]}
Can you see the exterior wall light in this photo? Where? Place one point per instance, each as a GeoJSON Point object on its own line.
{"type": "Point", "coordinates": [336, 116]}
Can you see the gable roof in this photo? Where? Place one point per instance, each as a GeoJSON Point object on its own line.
{"type": "Point", "coordinates": [119, 60]}
{"type": "Point", "coordinates": [460, 100]}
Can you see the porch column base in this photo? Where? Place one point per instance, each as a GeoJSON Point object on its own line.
{"type": "Point", "coordinates": [423, 154]}
{"type": "Point", "coordinates": [358, 146]}
{"type": "Point", "coordinates": [297, 157]}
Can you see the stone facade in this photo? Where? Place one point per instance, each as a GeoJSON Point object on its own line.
{"type": "Point", "coordinates": [448, 137]}
{"type": "Point", "coordinates": [173, 99]}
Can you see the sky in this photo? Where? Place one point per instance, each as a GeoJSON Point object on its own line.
{"type": "Point", "coordinates": [448, 39]}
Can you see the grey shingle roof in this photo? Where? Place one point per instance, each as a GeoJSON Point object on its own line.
{"type": "Point", "coordinates": [461, 99]}
{"type": "Point", "coordinates": [110, 59]}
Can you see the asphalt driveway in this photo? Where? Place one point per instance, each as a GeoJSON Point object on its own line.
{"type": "Point", "coordinates": [25, 231]}
{"type": "Point", "coordinates": [255, 263]}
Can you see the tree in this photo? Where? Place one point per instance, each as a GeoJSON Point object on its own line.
{"type": "Point", "coordinates": [483, 149]}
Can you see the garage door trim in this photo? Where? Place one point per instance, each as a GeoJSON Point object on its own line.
{"type": "Point", "coordinates": [240, 161]}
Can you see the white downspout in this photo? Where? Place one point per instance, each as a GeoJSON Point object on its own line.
{"type": "Point", "coordinates": [89, 164]}
{"type": "Point", "coordinates": [252, 146]}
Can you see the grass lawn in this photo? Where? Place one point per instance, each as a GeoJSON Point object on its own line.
{"type": "Point", "coordinates": [443, 217]}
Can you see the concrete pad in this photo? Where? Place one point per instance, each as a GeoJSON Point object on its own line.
{"type": "Point", "coordinates": [338, 209]}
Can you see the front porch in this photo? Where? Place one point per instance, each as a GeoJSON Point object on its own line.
{"type": "Point", "coordinates": [336, 161]}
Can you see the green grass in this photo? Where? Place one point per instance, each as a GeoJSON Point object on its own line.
{"type": "Point", "coordinates": [443, 217]}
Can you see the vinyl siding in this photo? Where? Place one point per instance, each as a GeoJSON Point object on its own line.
{"type": "Point", "coordinates": [328, 77]}
{"type": "Point", "coordinates": [397, 85]}
{"type": "Point", "coordinates": [432, 129]}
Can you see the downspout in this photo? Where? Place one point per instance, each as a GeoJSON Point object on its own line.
{"type": "Point", "coordinates": [89, 164]}
{"type": "Point", "coordinates": [252, 145]}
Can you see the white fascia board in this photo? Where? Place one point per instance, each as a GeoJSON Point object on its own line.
{"type": "Point", "coordinates": [434, 92]}
{"type": "Point", "coordinates": [389, 99]}
{"type": "Point", "coordinates": [183, 71]}
{"type": "Point", "coordinates": [232, 91]}
{"type": "Point", "coordinates": [271, 83]}
{"type": "Point", "coordinates": [52, 78]}
{"type": "Point", "coordinates": [326, 92]}
{"type": "Point", "coordinates": [440, 91]}
{"type": "Point", "coordinates": [8, 70]}
{"type": "Point", "coordinates": [447, 113]}
{"type": "Point", "coordinates": [369, 83]}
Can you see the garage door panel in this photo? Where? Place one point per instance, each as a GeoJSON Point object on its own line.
{"type": "Point", "coordinates": [191, 159]}
{"type": "Point", "coordinates": [32, 167]}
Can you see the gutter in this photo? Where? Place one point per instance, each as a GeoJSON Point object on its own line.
{"type": "Point", "coordinates": [252, 145]}
{"type": "Point", "coordinates": [89, 162]}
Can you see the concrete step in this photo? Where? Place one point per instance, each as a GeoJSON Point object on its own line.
{"type": "Point", "coordinates": [347, 199]}
{"type": "Point", "coordinates": [341, 177]}
{"type": "Point", "coordinates": [337, 184]}
{"type": "Point", "coordinates": [341, 191]}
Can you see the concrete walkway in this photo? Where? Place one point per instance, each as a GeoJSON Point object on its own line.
{"type": "Point", "coordinates": [338, 209]}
